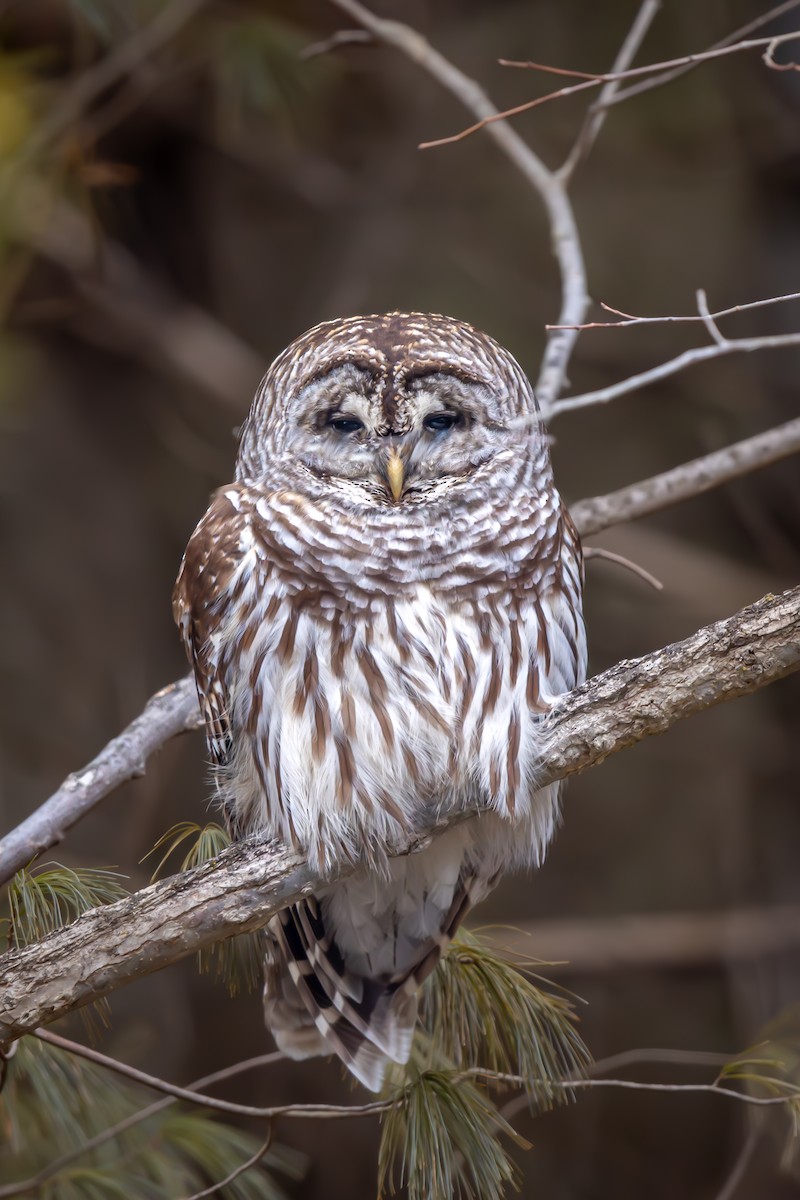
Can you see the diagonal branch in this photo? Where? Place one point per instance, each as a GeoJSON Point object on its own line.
{"type": "Point", "coordinates": [167, 713]}
{"type": "Point", "coordinates": [174, 709]}
{"type": "Point", "coordinates": [563, 229]}
{"type": "Point", "coordinates": [596, 115]}
{"type": "Point", "coordinates": [243, 887]}
{"type": "Point", "coordinates": [590, 79]}
{"type": "Point", "coordinates": [655, 374]}
{"type": "Point", "coordinates": [688, 480]}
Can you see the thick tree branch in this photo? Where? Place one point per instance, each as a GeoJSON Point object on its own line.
{"type": "Point", "coordinates": [174, 709]}
{"type": "Point", "coordinates": [240, 889]}
{"type": "Point", "coordinates": [563, 229]}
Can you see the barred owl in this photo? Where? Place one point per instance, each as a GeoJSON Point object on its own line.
{"type": "Point", "coordinates": [379, 611]}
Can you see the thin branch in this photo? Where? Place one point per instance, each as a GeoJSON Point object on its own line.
{"type": "Point", "coordinates": [629, 319]}
{"type": "Point", "coordinates": [636, 1086]}
{"type": "Point", "coordinates": [243, 887]}
{"type": "Point", "coordinates": [708, 319]}
{"type": "Point", "coordinates": [689, 480]}
{"type": "Point", "coordinates": [596, 114]}
{"type": "Point", "coordinates": [251, 1162]}
{"type": "Point", "coordinates": [688, 358]}
{"type": "Point", "coordinates": [321, 1111]}
{"type": "Point", "coordinates": [626, 1058]}
{"type": "Point", "coordinates": [342, 37]}
{"type": "Point", "coordinates": [142, 1077]}
{"type": "Point", "coordinates": [563, 228]}
{"type": "Point", "coordinates": [174, 709]}
{"type": "Point", "coordinates": [620, 560]}
{"type": "Point", "coordinates": [169, 712]}
{"type": "Point", "coordinates": [646, 85]}
{"type": "Point", "coordinates": [590, 79]}
{"type": "Point", "coordinates": [20, 1187]}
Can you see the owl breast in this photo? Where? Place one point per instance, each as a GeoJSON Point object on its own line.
{"type": "Point", "coordinates": [351, 731]}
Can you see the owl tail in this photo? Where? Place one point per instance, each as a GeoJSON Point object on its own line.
{"type": "Point", "coordinates": [315, 1006]}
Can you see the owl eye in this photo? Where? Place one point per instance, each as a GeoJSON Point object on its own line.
{"type": "Point", "coordinates": [345, 424]}
{"type": "Point", "coordinates": [439, 421]}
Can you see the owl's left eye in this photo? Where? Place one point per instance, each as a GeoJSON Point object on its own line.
{"type": "Point", "coordinates": [443, 420]}
{"type": "Point", "coordinates": [345, 424]}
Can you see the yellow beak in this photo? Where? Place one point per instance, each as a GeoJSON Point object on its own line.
{"type": "Point", "coordinates": [395, 472]}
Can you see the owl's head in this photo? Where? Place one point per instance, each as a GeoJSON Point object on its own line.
{"type": "Point", "coordinates": [390, 409]}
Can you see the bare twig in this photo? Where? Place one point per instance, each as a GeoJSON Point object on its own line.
{"type": "Point", "coordinates": [169, 712]}
{"type": "Point", "coordinates": [621, 561]}
{"type": "Point", "coordinates": [768, 57]}
{"type": "Point", "coordinates": [637, 1086]}
{"type": "Point", "coordinates": [629, 319]}
{"type": "Point", "coordinates": [688, 358]}
{"type": "Point", "coordinates": [191, 1096]}
{"type": "Point", "coordinates": [626, 1058]}
{"type": "Point", "coordinates": [690, 479]}
{"type": "Point", "coordinates": [590, 79]}
{"type": "Point", "coordinates": [342, 37]}
{"type": "Point", "coordinates": [708, 320]}
{"type": "Point", "coordinates": [646, 85]}
{"type": "Point", "coordinates": [247, 1165]}
{"type": "Point", "coordinates": [174, 709]}
{"type": "Point", "coordinates": [563, 228]}
{"type": "Point", "coordinates": [596, 114]}
{"type": "Point", "coordinates": [244, 886]}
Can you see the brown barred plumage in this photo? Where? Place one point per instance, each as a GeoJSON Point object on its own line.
{"type": "Point", "coordinates": [379, 611]}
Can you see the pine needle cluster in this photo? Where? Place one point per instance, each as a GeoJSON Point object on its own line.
{"type": "Point", "coordinates": [482, 1020]}
{"type": "Point", "coordinates": [84, 1134]}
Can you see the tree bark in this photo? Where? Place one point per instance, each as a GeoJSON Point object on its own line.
{"type": "Point", "coordinates": [243, 887]}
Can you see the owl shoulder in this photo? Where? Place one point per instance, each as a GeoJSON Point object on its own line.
{"type": "Point", "coordinates": [212, 556]}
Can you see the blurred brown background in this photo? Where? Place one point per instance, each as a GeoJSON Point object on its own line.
{"type": "Point", "coordinates": [222, 196]}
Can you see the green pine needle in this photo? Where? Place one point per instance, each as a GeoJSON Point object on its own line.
{"type": "Point", "coordinates": [478, 1011]}
{"type": "Point", "coordinates": [42, 900]}
{"type": "Point", "coordinates": [444, 1133]}
{"type": "Point", "coordinates": [481, 1011]}
{"type": "Point", "coordinates": [53, 1103]}
{"type": "Point", "coordinates": [772, 1068]}
{"type": "Point", "coordinates": [238, 961]}
{"type": "Point", "coordinates": [50, 897]}
{"type": "Point", "coordinates": [209, 841]}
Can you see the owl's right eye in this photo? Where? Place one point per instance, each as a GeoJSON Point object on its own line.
{"type": "Point", "coordinates": [345, 424]}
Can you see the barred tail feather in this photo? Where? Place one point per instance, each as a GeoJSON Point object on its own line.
{"type": "Point", "coordinates": [314, 1005]}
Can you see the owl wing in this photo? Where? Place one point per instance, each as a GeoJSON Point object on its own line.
{"type": "Point", "coordinates": [199, 605]}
